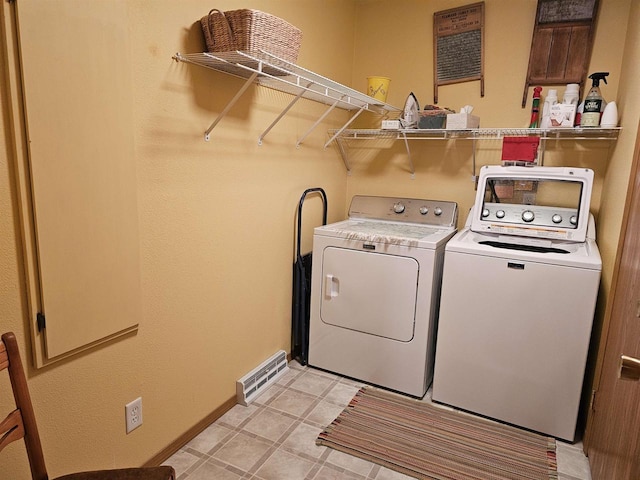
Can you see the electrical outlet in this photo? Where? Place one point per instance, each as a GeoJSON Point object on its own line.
{"type": "Point", "coordinates": [133, 414]}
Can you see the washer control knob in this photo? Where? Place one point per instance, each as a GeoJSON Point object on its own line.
{"type": "Point", "coordinates": [424, 210]}
{"type": "Point", "coordinates": [500, 214]}
{"type": "Point", "coordinates": [437, 211]}
{"type": "Point", "coordinates": [573, 220]}
{"type": "Point", "coordinates": [485, 213]}
{"type": "Point", "coordinates": [556, 218]}
{"type": "Point", "coordinates": [528, 216]}
{"type": "Point", "coordinates": [398, 207]}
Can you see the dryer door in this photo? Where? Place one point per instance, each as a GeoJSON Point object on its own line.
{"type": "Point", "coordinates": [368, 292]}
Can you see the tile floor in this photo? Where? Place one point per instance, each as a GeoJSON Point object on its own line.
{"type": "Point", "coordinates": [274, 437]}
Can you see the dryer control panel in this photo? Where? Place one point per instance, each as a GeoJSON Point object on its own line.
{"type": "Point", "coordinates": [400, 209]}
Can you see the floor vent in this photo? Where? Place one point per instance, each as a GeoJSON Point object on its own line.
{"type": "Point", "coordinates": [257, 380]}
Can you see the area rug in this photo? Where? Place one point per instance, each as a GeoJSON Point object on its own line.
{"type": "Point", "coordinates": [428, 442]}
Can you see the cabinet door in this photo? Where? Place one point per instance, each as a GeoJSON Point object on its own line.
{"type": "Point", "coordinates": [76, 80]}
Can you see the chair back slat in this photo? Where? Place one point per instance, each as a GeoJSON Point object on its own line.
{"type": "Point", "coordinates": [11, 429]}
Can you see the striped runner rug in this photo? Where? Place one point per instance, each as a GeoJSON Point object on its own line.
{"type": "Point", "coordinates": [424, 441]}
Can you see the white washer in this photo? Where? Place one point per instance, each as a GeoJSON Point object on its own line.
{"type": "Point", "coordinates": [517, 310]}
{"type": "Point", "coordinates": [374, 291]}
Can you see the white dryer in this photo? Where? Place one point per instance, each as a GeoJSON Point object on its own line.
{"type": "Point", "coordinates": [519, 290]}
{"type": "Point", "coordinates": [374, 291]}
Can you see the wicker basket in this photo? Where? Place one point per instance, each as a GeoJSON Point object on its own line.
{"type": "Point", "coordinates": [251, 31]}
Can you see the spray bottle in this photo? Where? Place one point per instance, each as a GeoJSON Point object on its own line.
{"type": "Point", "coordinates": [593, 102]}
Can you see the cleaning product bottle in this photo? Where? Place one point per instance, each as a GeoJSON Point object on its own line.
{"type": "Point", "coordinates": [551, 99]}
{"type": "Point", "coordinates": [535, 108]}
{"type": "Point", "coordinates": [593, 102]}
{"type": "Point", "coordinates": [579, 114]}
{"type": "Point", "coordinates": [571, 94]}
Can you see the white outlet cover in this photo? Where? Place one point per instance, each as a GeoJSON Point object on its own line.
{"type": "Point", "coordinates": [133, 414]}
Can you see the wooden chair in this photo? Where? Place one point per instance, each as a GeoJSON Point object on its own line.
{"type": "Point", "coordinates": [21, 423]}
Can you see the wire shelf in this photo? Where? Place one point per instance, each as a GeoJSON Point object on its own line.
{"type": "Point", "coordinates": [482, 133]}
{"type": "Point", "coordinates": [270, 71]}
{"type": "Point", "coordinates": [279, 74]}
{"type": "Point", "coordinates": [346, 136]}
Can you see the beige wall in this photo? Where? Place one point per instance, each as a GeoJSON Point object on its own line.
{"type": "Point", "coordinates": [217, 218]}
{"type": "Point", "coordinates": [395, 39]}
{"type": "Point", "coordinates": [216, 236]}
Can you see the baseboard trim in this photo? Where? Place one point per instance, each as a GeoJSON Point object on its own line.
{"type": "Point", "coordinates": [190, 434]}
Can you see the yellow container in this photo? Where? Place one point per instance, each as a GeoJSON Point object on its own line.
{"type": "Point", "coordinates": [377, 87]}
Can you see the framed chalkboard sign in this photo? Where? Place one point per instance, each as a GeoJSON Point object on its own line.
{"type": "Point", "coordinates": [458, 46]}
{"type": "Point", "coordinates": [561, 44]}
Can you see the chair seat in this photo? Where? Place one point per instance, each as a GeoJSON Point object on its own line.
{"type": "Point", "coordinates": [148, 473]}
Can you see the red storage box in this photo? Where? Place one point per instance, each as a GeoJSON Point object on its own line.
{"type": "Point", "coordinates": [520, 149]}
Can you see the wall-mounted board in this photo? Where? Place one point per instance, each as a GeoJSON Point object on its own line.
{"type": "Point", "coordinates": [75, 59]}
{"type": "Point", "coordinates": [562, 43]}
{"type": "Point", "coordinates": [458, 46]}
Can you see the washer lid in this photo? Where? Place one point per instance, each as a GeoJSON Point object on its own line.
{"type": "Point", "coordinates": [540, 202]}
